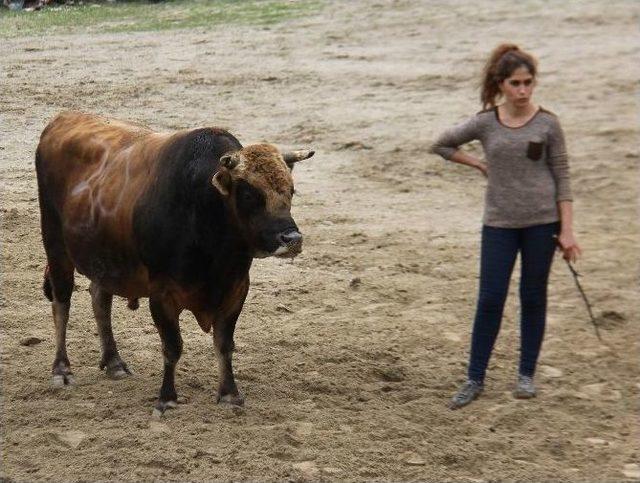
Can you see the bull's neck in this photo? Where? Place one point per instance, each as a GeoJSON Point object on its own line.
{"type": "Point", "coordinates": [222, 246]}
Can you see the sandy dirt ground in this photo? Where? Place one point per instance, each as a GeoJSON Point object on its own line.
{"type": "Point", "coordinates": [348, 355]}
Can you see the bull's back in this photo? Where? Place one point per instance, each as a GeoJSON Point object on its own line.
{"type": "Point", "coordinates": [91, 172]}
{"type": "Point", "coordinates": [75, 142]}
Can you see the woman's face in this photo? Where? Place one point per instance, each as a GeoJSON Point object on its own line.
{"type": "Point", "coordinates": [517, 89]}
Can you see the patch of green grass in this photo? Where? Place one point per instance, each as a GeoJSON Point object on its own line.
{"type": "Point", "coordinates": [143, 16]}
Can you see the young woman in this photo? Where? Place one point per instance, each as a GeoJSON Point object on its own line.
{"type": "Point", "coordinates": [528, 209]}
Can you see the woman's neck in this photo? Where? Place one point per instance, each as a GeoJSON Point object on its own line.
{"type": "Point", "coordinates": [518, 112]}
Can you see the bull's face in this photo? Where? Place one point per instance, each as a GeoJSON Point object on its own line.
{"type": "Point", "coordinates": [257, 185]}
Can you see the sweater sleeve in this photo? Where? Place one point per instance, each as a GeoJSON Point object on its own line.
{"type": "Point", "coordinates": [559, 162]}
{"type": "Point", "coordinates": [449, 141]}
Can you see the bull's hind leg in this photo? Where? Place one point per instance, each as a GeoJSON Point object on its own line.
{"type": "Point", "coordinates": [101, 302]}
{"type": "Point", "coordinates": [60, 279]}
{"type": "Point", "coordinates": [58, 283]}
{"type": "Point", "coordinates": [58, 286]}
{"type": "Point", "coordinates": [166, 319]}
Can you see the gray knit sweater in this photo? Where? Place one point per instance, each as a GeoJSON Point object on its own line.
{"type": "Point", "coordinates": [528, 166]}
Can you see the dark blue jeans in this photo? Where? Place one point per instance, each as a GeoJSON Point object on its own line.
{"type": "Point", "coordinates": [500, 247]}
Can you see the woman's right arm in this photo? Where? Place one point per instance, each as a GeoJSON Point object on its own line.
{"type": "Point", "coordinates": [447, 145]}
{"type": "Point", "coordinates": [461, 157]}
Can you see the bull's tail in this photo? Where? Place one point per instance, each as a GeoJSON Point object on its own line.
{"type": "Point", "coordinates": [46, 285]}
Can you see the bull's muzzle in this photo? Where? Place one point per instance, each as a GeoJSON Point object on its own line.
{"type": "Point", "coordinates": [290, 244]}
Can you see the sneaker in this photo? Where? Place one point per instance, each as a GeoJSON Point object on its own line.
{"type": "Point", "coordinates": [467, 393]}
{"type": "Point", "coordinates": [525, 388]}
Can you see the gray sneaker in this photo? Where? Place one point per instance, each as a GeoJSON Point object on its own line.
{"type": "Point", "coordinates": [469, 391]}
{"type": "Point", "coordinates": [525, 388]}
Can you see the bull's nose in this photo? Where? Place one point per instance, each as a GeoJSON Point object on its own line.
{"type": "Point", "coordinates": [292, 237]}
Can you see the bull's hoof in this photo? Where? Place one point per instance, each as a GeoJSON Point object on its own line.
{"type": "Point", "coordinates": [231, 399]}
{"type": "Point", "coordinates": [120, 373]}
{"type": "Point", "coordinates": [162, 406]}
{"type": "Point", "coordinates": [62, 380]}
{"type": "Point", "coordinates": [62, 376]}
{"type": "Point", "coordinates": [116, 368]}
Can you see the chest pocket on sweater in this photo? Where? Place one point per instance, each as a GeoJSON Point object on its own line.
{"type": "Point", "coordinates": [535, 149]}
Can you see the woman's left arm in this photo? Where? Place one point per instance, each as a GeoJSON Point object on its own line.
{"type": "Point", "coordinates": [559, 164]}
{"type": "Point", "coordinates": [568, 243]}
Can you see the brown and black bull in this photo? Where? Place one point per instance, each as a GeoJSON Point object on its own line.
{"type": "Point", "coordinates": [175, 217]}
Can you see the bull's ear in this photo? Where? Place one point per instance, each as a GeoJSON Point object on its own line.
{"type": "Point", "coordinates": [230, 160]}
{"type": "Point", "coordinates": [222, 182]}
{"type": "Point", "coordinates": [292, 157]}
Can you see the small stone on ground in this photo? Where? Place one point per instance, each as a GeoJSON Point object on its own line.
{"type": "Point", "coordinates": [550, 371]}
{"type": "Point", "coordinates": [596, 441]}
{"type": "Point", "coordinates": [631, 470]}
{"type": "Point", "coordinates": [71, 438]}
{"type": "Point", "coordinates": [307, 468]}
{"type": "Point", "coordinates": [414, 459]}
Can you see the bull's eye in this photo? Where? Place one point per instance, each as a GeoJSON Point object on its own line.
{"type": "Point", "coordinates": [248, 198]}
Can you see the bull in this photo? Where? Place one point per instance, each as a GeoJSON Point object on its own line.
{"type": "Point", "coordinates": [173, 217]}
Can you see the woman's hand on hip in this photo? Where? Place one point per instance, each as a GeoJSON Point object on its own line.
{"type": "Point", "coordinates": [465, 158]}
{"type": "Point", "coordinates": [483, 168]}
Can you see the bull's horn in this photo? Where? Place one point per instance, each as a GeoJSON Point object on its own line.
{"type": "Point", "coordinates": [291, 157]}
{"type": "Point", "coordinates": [229, 160]}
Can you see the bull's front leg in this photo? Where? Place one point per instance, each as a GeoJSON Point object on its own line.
{"type": "Point", "coordinates": [166, 318]}
{"type": "Point", "coordinates": [223, 341]}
